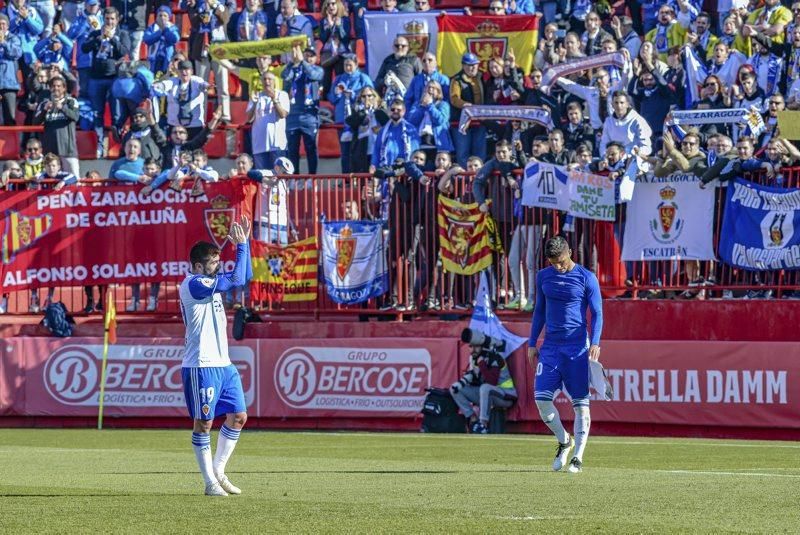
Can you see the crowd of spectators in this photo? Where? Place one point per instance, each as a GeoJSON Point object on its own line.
{"type": "Point", "coordinates": [63, 62]}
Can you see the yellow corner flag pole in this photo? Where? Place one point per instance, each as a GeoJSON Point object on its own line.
{"type": "Point", "coordinates": [110, 337]}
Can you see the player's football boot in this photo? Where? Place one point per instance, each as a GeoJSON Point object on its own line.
{"type": "Point", "coordinates": [215, 489]}
{"type": "Point", "coordinates": [575, 466]}
{"type": "Point", "coordinates": [562, 453]}
{"type": "Point", "coordinates": [226, 484]}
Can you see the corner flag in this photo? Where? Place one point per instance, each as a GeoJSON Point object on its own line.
{"type": "Point", "coordinates": [110, 337]}
{"type": "Point", "coordinates": [484, 319]}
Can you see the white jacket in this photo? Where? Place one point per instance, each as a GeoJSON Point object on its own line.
{"type": "Point", "coordinates": [632, 131]}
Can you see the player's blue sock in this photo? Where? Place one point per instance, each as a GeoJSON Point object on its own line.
{"type": "Point", "coordinates": [225, 443]}
{"type": "Point", "coordinates": [551, 419]}
{"type": "Point", "coordinates": [582, 424]}
{"type": "Point", "coordinates": [201, 443]}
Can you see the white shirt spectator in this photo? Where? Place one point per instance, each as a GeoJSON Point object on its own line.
{"type": "Point", "coordinates": [631, 130]}
{"type": "Point", "coordinates": [269, 130]}
{"type": "Point", "coordinates": [186, 103]}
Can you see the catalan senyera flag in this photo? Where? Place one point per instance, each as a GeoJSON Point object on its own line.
{"type": "Point", "coordinates": [486, 37]}
{"type": "Point", "coordinates": [19, 232]}
{"type": "Point", "coordinates": [285, 274]}
{"type": "Point", "coordinates": [463, 237]}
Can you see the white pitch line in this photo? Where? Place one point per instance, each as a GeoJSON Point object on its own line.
{"type": "Point", "coordinates": [542, 438]}
{"type": "Point", "coordinates": [712, 473]}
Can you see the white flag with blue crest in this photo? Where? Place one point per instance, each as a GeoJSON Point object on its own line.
{"type": "Point", "coordinates": [354, 260]}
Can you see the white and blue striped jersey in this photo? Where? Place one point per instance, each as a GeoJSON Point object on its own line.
{"type": "Point", "coordinates": [204, 314]}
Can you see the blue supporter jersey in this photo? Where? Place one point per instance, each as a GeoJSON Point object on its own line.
{"type": "Point", "coordinates": [561, 303]}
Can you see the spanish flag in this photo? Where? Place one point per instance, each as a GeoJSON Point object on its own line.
{"type": "Point", "coordinates": [463, 237]}
{"type": "Point", "coordinates": [284, 273]}
{"type": "Point", "coordinates": [486, 37]}
{"type": "Point", "coordinates": [21, 231]}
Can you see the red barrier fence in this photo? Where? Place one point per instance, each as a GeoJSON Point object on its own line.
{"type": "Point", "coordinates": [122, 237]}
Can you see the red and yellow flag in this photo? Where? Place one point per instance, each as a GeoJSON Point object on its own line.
{"type": "Point", "coordinates": [486, 37]}
{"type": "Point", "coordinates": [111, 317]}
{"type": "Point", "coordinates": [21, 231]}
{"type": "Point", "coordinates": [284, 273]}
{"type": "Point", "coordinates": [463, 237]}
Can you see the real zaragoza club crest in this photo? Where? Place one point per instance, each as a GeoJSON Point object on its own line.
{"type": "Point", "coordinates": [345, 251]}
{"type": "Point", "coordinates": [668, 226]}
{"type": "Point", "coordinates": [218, 219]}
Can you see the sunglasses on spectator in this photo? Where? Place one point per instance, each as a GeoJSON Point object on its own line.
{"type": "Point", "coordinates": [496, 8]}
{"type": "Point", "coordinates": [396, 110]}
{"type": "Point", "coordinates": [711, 84]}
{"type": "Point", "coordinates": [33, 149]}
{"type": "Point", "coordinates": [690, 143]}
{"type": "Point", "coordinates": [398, 45]}
{"type": "Point", "coordinates": [427, 60]}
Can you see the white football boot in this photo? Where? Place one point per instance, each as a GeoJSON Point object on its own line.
{"type": "Point", "coordinates": [226, 484]}
{"type": "Point", "coordinates": [562, 454]}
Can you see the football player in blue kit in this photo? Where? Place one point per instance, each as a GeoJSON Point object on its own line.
{"type": "Point", "coordinates": [564, 291]}
{"type": "Point", "coordinates": [211, 384]}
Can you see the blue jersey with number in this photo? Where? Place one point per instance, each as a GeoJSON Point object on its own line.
{"type": "Point", "coordinates": [561, 303]}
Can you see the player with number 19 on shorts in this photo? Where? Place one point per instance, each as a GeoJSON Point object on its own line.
{"type": "Point", "coordinates": [211, 383]}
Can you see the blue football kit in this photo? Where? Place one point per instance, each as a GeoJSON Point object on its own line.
{"type": "Point", "coordinates": [562, 300]}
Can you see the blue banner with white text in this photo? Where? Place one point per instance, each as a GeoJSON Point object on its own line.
{"type": "Point", "coordinates": [761, 227]}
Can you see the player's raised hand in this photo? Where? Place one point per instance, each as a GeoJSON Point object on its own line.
{"type": "Point", "coordinates": [594, 352]}
{"type": "Point", "coordinates": [236, 233]}
{"type": "Point", "coordinates": [245, 224]}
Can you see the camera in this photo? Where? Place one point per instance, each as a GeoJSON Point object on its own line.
{"type": "Point", "coordinates": [479, 338]}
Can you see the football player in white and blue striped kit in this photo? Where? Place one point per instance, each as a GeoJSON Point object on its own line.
{"type": "Point", "coordinates": [211, 384]}
{"type": "Point", "coordinates": [564, 292]}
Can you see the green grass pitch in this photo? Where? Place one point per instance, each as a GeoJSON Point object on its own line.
{"type": "Point", "coordinates": [85, 481]}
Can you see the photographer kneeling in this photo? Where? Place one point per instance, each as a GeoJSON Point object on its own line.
{"type": "Point", "coordinates": [487, 383]}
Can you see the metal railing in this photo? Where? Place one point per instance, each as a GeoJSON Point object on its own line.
{"type": "Point", "coordinates": [419, 284]}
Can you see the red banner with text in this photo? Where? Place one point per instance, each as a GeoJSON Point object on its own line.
{"type": "Point", "coordinates": [739, 384]}
{"type": "Point", "coordinates": [358, 377]}
{"type": "Point", "coordinates": [61, 377]}
{"type": "Point", "coordinates": [99, 235]}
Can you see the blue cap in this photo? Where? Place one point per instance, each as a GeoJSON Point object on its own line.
{"type": "Point", "coordinates": [165, 9]}
{"type": "Point", "coordinates": [469, 59]}
{"type": "Point", "coordinates": [92, 2]}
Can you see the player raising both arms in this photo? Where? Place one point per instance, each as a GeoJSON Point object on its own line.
{"type": "Point", "coordinates": [563, 292]}
{"type": "Point", "coordinates": [211, 384]}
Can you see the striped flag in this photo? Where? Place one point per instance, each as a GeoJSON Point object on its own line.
{"type": "Point", "coordinates": [696, 74]}
{"type": "Point", "coordinates": [486, 37]}
{"type": "Point", "coordinates": [463, 237]}
{"type": "Point", "coordinates": [20, 232]}
{"type": "Point", "coordinates": [284, 273]}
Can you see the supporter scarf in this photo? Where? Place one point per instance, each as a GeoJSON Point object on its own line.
{"type": "Point", "coordinates": [616, 59]}
{"type": "Point", "coordinates": [773, 71]}
{"type": "Point", "coordinates": [185, 103]}
{"type": "Point", "coordinates": [661, 42]}
{"type": "Point", "coordinates": [308, 99]}
{"type": "Point", "coordinates": [404, 138]}
{"type": "Point", "coordinates": [793, 70]}
{"type": "Point", "coordinates": [533, 114]}
{"type": "Point", "coordinates": [138, 134]}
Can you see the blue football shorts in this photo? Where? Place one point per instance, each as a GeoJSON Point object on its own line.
{"type": "Point", "coordinates": [212, 392]}
{"type": "Point", "coordinates": [566, 365]}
